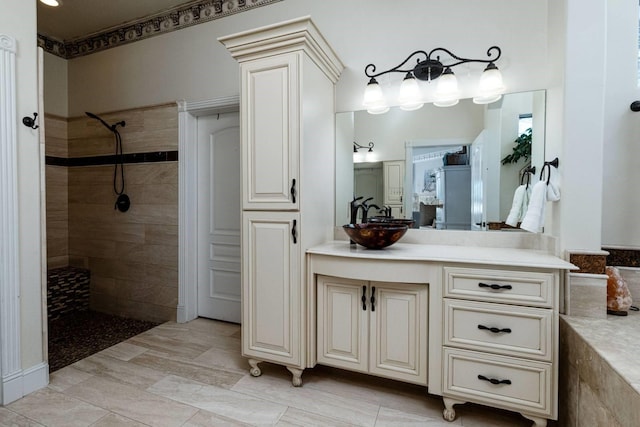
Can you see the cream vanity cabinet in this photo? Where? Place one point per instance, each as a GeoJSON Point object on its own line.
{"type": "Point", "coordinates": [500, 340]}
{"type": "Point", "coordinates": [485, 320]}
{"type": "Point", "coordinates": [358, 327]}
{"type": "Point", "coordinates": [287, 130]}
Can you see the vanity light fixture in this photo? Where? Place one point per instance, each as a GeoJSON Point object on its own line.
{"type": "Point", "coordinates": [357, 146]}
{"type": "Point", "coordinates": [429, 67]}
{"type": "Point", "coordinates": [358, 157]}
{"type": "Point", "coordinates": [53, 3]}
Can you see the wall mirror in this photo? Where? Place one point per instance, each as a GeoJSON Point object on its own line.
{"type": "Point", "coordinates": [419, 157]}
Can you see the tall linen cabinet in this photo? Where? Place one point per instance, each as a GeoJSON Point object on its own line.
{"type": "Point", "coordinates": [288, 73]}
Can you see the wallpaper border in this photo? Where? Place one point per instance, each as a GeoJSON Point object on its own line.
{"type": "Point", "coordinates": [183, 16]}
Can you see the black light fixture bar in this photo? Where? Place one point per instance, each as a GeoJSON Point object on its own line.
{"type": "Point", "coordinates": [428, 65]}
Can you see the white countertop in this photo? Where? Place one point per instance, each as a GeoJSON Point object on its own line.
{"type": "Point", "coordinates": [444, 253]}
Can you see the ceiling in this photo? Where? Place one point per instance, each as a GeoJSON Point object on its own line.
{"type": "Point", "coordinates": [79, 18]}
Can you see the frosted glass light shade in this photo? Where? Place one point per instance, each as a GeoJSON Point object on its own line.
{"type": "Point", "coordinates": [374, 100]}
{"type": "Point", "coordinates": [53, 3]}
{"type": "Point", "coordinates": [410, 97]}
{"type": "Point", "coordinates": [378, 110]}
{"type": "Point", "coordinates": [447, 93]}
{"type": "Point", "coordinates": [491, 87]}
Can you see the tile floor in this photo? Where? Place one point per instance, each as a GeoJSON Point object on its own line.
{"type": "Point", "coordinates": [193, 375]}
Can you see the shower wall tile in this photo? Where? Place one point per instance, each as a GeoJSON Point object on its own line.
{"type": "Point", "coordinates": [133, 256]}
{"type": "Point", "coordinates": [103, 286]}
{"type": "Point", "coordinates": [161, 234]}
{"type": "Point", "coordinates": [146, 129]}
{"type": "Point", "coordinates": [56, 187]}
{"type": "Point", "coordinates": [153, 173]}
{"type": "Point", "coordinates": [161, 275]}
{"type": "Point", "coordinates": [55, 136]}
{"type": "Point", "coordinates": [132, 233]}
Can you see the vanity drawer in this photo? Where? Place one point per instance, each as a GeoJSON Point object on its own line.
{"type": "Point", "coordinates": [518, 384]}
{"type": "Point", "coordinates": [499, 328]}
{"type": "Point", "coordinates": [513, 287]}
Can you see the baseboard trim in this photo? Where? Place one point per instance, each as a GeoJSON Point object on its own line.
{"type": "Point", "coordinates": [24, 382]}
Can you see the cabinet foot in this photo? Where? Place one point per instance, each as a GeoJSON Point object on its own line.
{"type": "Point", "coordinates": [296, 380]}
{"type": "Point", "coordinates": [537, 422]}
{"type": "Point", "coordinates": [255, 370]}
{"type": "Point", "coordinates": [449, 413]}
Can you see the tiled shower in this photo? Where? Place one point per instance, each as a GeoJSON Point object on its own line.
{"type": "Point", "coordinates": [131, 257]}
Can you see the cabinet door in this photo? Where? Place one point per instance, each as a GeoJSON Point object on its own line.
{"type": "Point", "coordinates": [398, 336]}
{"type": "Point", "coordinates": [270, 132]}
{"type": "Point", "coordinates": [393, 182]}
{"type": "Point", "coordinates": [271, 306]}
{"type": "Point", "coordinates": [342, 323]}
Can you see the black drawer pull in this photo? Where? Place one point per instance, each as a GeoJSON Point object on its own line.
{"type": "Point", "coordinates": [294, 231]}
{"type": "Point", "coordinates": [495, 286]}
{"type": "Point", "coordinates": [373, 298]}
{"type": "Point", "coordinates": [293, 190]}
{"type": "Point", "coordinates": [495, 330]}
{"type": "Point", "coordinates": [493, 380]}
{"type": "Point", "coordinates": [364, 298]}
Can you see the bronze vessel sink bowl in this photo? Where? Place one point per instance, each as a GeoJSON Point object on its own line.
{"type": "Point", "coordinates": [375, 235]}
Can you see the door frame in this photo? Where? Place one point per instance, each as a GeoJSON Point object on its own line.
{"type": "Point", "coordinates": [188, 113]}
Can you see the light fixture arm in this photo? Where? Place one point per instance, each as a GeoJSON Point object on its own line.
{"type": "Point", "coordinates": [431, 67]}
{"type": "Point", "coordinates": [357, 146]}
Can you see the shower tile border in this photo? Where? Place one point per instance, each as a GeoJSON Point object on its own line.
{"type": "Point", "coordinates": [149, 157]}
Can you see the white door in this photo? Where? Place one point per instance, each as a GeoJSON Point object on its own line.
{"type": "Point", "coordinates": [219, 217]}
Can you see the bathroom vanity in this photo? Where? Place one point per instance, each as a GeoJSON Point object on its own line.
{"type": "Point", "coordinates": [472, 324]}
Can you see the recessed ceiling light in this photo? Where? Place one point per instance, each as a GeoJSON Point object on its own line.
{"type": "Point", "coordinates": [53, 3]}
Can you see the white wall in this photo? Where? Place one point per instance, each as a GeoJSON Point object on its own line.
{"type": "Point", "coordinates": [621, 197]}
{"type": "Point", "coordinates": [21, 24]}
{"type": "Point", "coordinates": [575, 108]}
{"type": "Point", "coordinates": [191, 64]}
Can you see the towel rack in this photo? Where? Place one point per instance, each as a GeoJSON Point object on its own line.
{"type": "Point", "coordinates": [547, 165]}
{"type": "Point", "coordinates": [528, 171]}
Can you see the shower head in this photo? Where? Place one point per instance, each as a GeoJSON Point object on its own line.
{"type": "Point", "coordinates": [112, 128]}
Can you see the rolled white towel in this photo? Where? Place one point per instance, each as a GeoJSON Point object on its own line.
{"type": "Point", "coordinates": [553, 192]}
{"type": "Point", "coordinates": [525, 202]}
{"type": "Point", "coordinates": [515, 214]}
{"type": "Point", "coordinates": [534, 219]}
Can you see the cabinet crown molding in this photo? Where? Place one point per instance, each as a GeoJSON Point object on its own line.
{"type": "Point", "coordinates": [299, 34]}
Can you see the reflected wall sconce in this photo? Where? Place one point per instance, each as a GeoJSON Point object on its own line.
{"type": "Point", "coordinates": [53, 3]}
{"type": "Point", "coordinates": [429, 67]}
{"type": "Point", "coordinates": [360, 157]}
{"type": "Point", "coordinates": [357, 146]}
